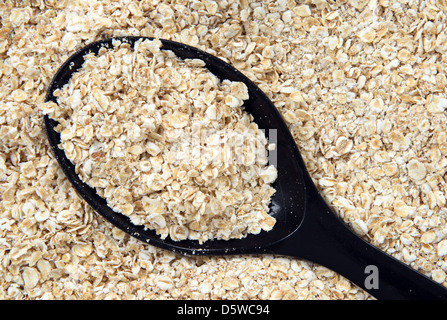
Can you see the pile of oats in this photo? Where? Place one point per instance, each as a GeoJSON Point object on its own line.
{"type": "Point", "coordinates": [166, 143]}
{"type": "Point", "coordinates": [361, 84]}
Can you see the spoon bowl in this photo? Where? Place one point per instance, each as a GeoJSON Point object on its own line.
{"type": "Point", "coordinates": [306, 227]}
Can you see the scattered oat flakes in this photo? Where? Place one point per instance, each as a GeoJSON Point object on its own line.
{"type": "Point", "coordinates": [392, 87]}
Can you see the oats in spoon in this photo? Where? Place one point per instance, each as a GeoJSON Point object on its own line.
{"type": "Point", "coordinates": [166, 143]}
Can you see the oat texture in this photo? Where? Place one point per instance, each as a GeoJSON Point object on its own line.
{"type": "Point", "coordinates": [361, 84]}
{"type": "Point", "coordinates": [166, 143]}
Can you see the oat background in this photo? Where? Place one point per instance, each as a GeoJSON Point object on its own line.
{"type": "Point", "coordinates": [362, 85]}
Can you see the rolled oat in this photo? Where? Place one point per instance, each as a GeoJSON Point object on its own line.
{"type": "Point", "coordinates": [166, 143]}
{"type": "Point", "coordinates": [390, 100]}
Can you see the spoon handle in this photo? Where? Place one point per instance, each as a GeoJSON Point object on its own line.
{"type": "Point", "coordinates": [324, 239]}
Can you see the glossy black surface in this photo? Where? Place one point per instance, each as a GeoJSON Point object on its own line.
{"type": "Point", "coordinates": [287, 203]}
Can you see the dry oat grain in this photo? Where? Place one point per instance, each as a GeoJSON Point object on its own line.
{"type": "Point", "coordinates": [37, 36]}
{"type": "Point", "coordinates": [166, 143]}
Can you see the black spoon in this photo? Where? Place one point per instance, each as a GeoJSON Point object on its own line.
{"type": "Point", "coordinates": [306, 227]}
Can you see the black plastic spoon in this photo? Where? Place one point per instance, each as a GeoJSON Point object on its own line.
{"type": "Point", "coordinates": [306, 227]}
